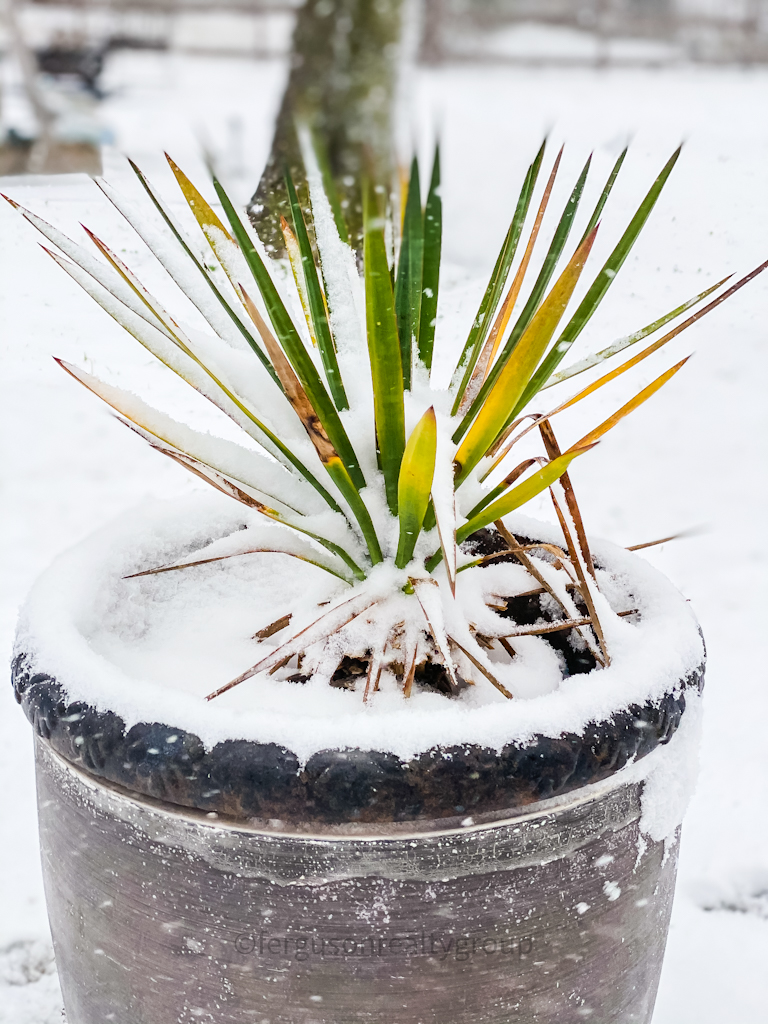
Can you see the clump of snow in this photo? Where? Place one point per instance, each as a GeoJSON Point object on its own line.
{"type": "Point", "coordinates": [151, 648]}
{"type": "Point", "coordinates": [671, 779]}
{"type": "Point", "coordinates": [346, 301]}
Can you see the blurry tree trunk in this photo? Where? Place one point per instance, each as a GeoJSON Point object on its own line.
{"type": "Point", "coordinates": [342, 82]}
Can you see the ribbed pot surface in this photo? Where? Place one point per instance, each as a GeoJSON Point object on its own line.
{"type": "Point", "coordinates": [556, 914]}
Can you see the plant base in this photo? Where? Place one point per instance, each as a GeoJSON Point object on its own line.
{"type": "Point", "coordinates": [556, 915]}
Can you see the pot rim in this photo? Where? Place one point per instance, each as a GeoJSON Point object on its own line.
{"type": "Point", "coordinates": [343, 787]}
{"type": "Point", "coordinates": [394, 831]}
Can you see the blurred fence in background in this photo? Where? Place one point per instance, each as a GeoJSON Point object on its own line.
{"type": "Point", "coordinates": [260, 28]}
{"type": "Point", "coordinates": [649, 32]}
{"type": "Point", "coordinates": [642, 32]}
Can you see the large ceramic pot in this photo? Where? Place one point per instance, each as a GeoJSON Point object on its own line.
{"type": "Point", "coordinates": [235, 882]}
{"type": "Point", "coordinates": [160, 913]}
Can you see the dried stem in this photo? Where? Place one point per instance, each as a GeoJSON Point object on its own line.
{"type": "Point", "coordinates": [328, 624]}
{"type": "Point", "coordinates": [481, 668]}
{"type": "Point", "coordinates": [517, 549]}
{"type": "Point", "coordinates": [541, 590]}
{"type": "Point", "coordinates": [436, 628]}
{"type": "Point", "coordinates": [584, 587]}
{"type": "Point", "coordinates": [280, 664]}
{"type": "Point", "coordinates": [661, 540]}
{"type": "Point", "coordinates": [484, 641]}
{"type": "Point", "coordinates": [375, 666]}
{"type": "Point", "coordinates": [272, 628]}
{"type": "Point", "coordinates": [507, 646]}
{"type": "Point", "coordinates": [235, 554]}
{"type": "Point", "coordinates": [501, 439]}
{"type": "Point", "coordinates": [408, 685]}
{"type": "Point", "coordinates": [556, 627]}
{"type": "Point", "coordinates": [553, 452]}
{"type": "Point", "coordinates": [552, 548]}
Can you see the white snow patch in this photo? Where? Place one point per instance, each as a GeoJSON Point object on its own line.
{"type": "Point", "coordinates": [671, 782]}
{"type": "Point", "coordinates": [612, 890]}
{"type": "Point", "coordinates": [152, 648]}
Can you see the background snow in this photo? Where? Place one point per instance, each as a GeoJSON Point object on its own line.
{"type": "Point", "coordinates": [695, 454]}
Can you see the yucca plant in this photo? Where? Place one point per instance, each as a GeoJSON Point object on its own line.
{"type": "Point", "coordinates": [368, 472]}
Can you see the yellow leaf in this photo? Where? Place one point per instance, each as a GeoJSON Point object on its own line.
{"type": "Point", "coordinates": [520, 366]}
{"type": "Point", "coordinates": [414, 484]}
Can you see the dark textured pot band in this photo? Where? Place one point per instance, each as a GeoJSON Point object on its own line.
{"type": "Point", "coordinates": [244, 779]}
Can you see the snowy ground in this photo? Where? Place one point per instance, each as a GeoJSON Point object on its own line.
{"type": "Point", "coordinates": [694, 456]}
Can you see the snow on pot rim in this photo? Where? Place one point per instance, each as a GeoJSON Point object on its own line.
{"type": "Point", "coordinates": [141, 654]}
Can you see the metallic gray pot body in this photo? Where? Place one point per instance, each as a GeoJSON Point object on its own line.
{"type": "Point", "coordinates": [554, 915]}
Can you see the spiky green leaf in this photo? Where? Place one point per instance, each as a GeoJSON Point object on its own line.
{"type": "Point", "coordinates": [518, 369]}
{"type": "Point", "coordinates": [181, 358]}
{"type": "Point", "coordinates": [600, 205]}
{"type": "Point", "coordinates": [326, 173]}
{"type": "Point", "coordinates": [634, 403]}
{"type": "Point", "coordinates": [487, 311]}
{"type": "Point", "coordinates": [528, 489]}
{"type": "Point", "coordinates": [430, 278]}
{"type": "Point", "coordinates": [598, 289]}
{"type": "Point", "coordinates": [383, 350]}
{"type": "Point", "coordinates": [417, 471]}
{"type": "Point", "coordinates": [534, 300]}
{"type": "Point", "coordinates": [409, 274]}
{"type": "Point", "coordinates": [246, 467]}
{"type": "Point", "coordinates": [632, 339]}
